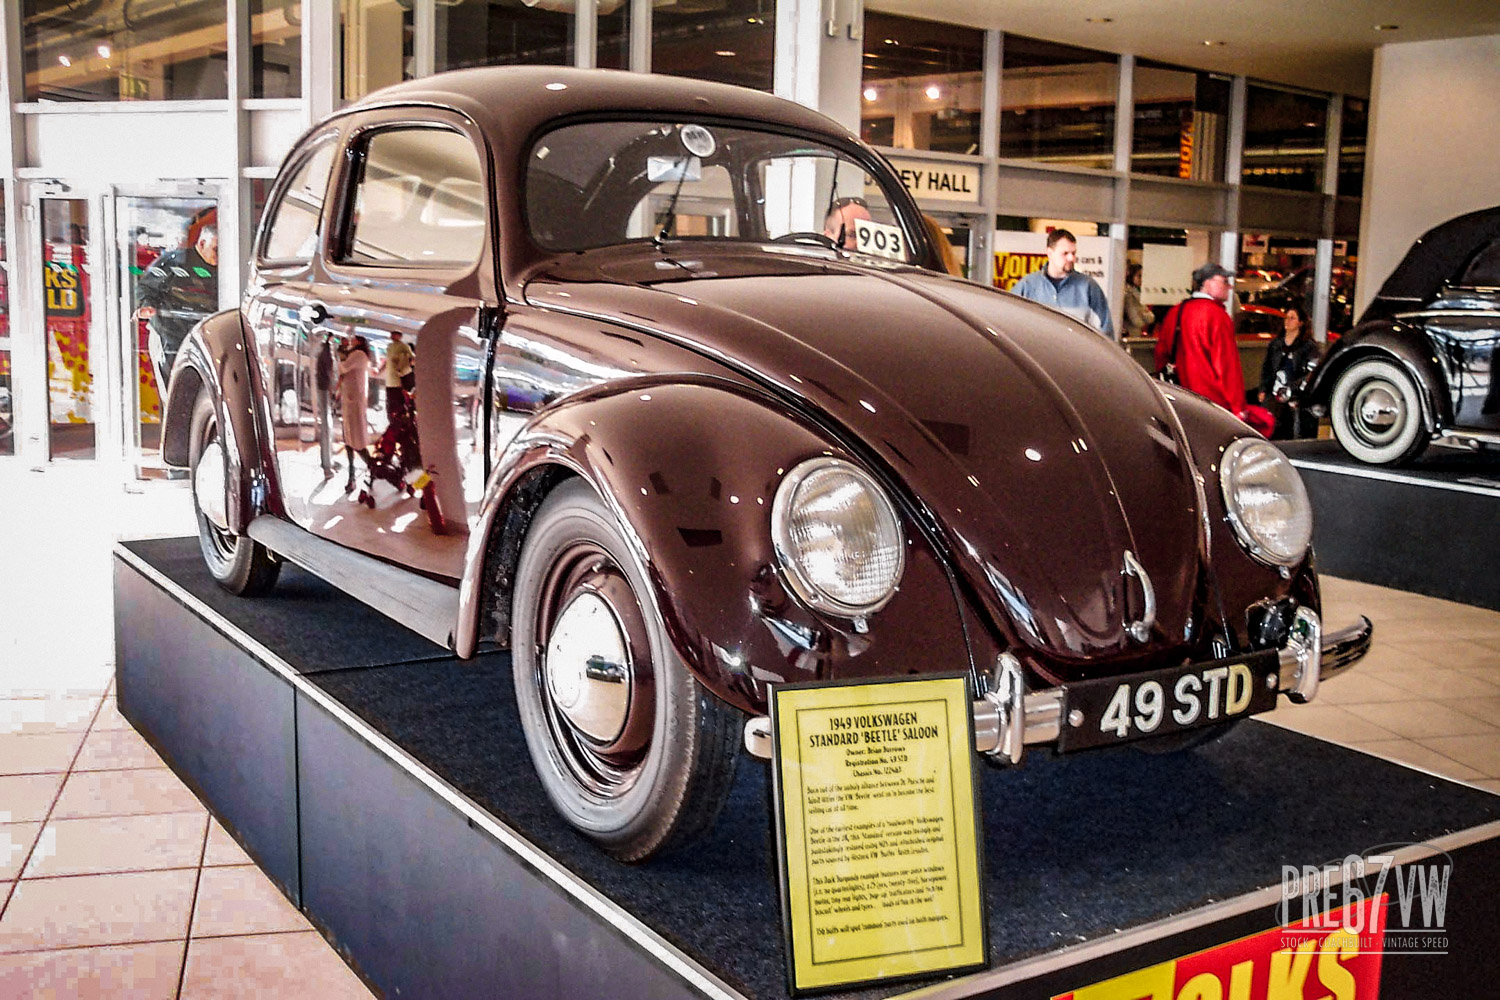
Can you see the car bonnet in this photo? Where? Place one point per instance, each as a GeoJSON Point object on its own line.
{"type": "Point", "coordinates": [1036, 449]}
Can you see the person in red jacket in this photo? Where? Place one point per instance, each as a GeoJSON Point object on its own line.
{"type": "Point", "coordinates": [1208, 359]}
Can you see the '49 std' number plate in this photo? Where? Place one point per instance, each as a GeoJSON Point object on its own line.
{"type": "Point", "coordinates": [1157, 702]}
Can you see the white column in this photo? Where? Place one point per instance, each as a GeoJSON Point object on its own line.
{"type": "Point", "coordinates": [982, 264]}
{"type": "Point", "coordinates": [28, 399]}
{"type": "Point", "coordinates": [235, 225]}
{"type": "Point", "coordinates": [1234, 156]}
{"type": "Point", "coordinates": [1124, 142]}
{"type": "Point", "coordinates": [424, 38]}
{"type": "Point", "coordinates": [1323, 261]}
{"type": "Point", "coordinates": [322, 89]}
{"type": "Point", "coordinates": [640, 36]}
{"type": "Point", "coordinates": [586, 34]}
{"type": "Point", "coordinates": [818, 57]}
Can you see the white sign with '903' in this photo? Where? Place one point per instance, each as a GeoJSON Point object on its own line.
{"type": "Point", "coordinates": [879, 239]}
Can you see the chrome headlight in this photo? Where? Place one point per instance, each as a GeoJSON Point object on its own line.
{"type": "Point", "coordinates": [837, 537]}
{"type": "Point", "coordinates": [1266, 501]}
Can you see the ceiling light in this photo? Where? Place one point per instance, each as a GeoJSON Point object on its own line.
{"type": "Point", "coordinates": [1212, 41]}
{"type": "Point", "coordinates": [891, 41]}
{"type": "Point", "coordinates": [871, 94]}
{"type": "Point", "coordinates": [1387, 27]}
{"type": "Point", "coordinates": [1100, 20]}
{"type": "Point", "coordinates": [932, 92]}
{"type": "Point", "coordinates": [104, 51]}
{"type": "Point", "coordinates": [726, 53]}
{"type": "Point", "coordinates": [557, 86]}
{"type": "Point", "coordinates": [65, 60]}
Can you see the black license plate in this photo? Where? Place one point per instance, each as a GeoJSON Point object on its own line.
{"type": "Point", "coordinates": [1159, 702]}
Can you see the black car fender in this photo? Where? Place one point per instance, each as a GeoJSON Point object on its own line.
{"type": "Point", "coordinates": [1393, 341]}
{"type": "Point", "coordinates": [690, 469]}
{"type": "Point", "coordinates": [215, 358]}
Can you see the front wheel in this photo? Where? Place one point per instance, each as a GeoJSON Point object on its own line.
{"type": "Point", "coordinates": [630, 748]}
{"type": "Point", "coordinates": [240, 564]}
{"type": "Point", "coordinates": [1377, 413]}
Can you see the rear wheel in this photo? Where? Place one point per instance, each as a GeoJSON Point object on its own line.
{"type": "Point", "coordinates": [1377, 413]}
{"type": "Point", "coordinates": [240, 564]}
{"type": "Point", "coordinates": [630, 748]}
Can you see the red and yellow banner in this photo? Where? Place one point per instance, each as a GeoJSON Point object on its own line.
{"type": "Point", "coordinates": [1336, 957]}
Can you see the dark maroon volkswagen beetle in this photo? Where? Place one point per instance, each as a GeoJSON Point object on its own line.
{"type": "Point", "coordinates": [656, 383]}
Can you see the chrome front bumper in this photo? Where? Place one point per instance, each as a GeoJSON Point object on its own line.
{"type": "Point", "coordinates": [1008, 718]}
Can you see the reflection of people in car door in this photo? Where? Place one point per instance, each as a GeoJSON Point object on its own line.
{"type": "Point", "coordinates": [176, 291]}
{"type": "Point", "coordinates": [354, 400]}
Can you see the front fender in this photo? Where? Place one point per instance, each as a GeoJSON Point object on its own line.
{"type": "Point", "coordinates": [215, 358]}
{"type": "Point", "coordinates": [690, 469]}
{"type": "Point", "coordinates": [1239, 584]}
{"type": "Point", "coordinates": [1394, 341]}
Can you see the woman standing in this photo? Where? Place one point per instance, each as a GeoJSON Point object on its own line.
{"type": "Point", "coordinates": [354, 400]}
{"type": "Point", "coordinates": [1288, 358]}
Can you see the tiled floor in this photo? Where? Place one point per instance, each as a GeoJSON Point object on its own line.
{"type": "Point", "coordinates": [114, 881]}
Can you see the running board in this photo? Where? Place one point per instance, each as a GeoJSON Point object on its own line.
{"type": "Point", "coordinates": [425, 606]}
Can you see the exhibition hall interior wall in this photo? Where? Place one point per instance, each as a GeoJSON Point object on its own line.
{"type": "Point", "coordinates": [1433, 123]}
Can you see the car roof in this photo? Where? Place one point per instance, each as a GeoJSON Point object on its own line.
{"type": "Point", "coordinates": [1437, 256]}
{"type": "Point", "coordinates": [511, 102]}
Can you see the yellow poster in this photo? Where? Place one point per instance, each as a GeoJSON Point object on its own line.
{"type": "Point", "coordinates": [878, 832]}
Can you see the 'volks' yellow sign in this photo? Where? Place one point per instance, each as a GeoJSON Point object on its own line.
{"type": "Point", "coordinates": [877, 830]}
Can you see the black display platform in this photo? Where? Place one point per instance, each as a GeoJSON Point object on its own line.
{"type": "Point", "coordinates": [1432, 527]}
{"type": "Point", "coordinates": [386, 788]}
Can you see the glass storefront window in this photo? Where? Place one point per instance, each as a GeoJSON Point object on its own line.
{"type": "Point", "coordinates": [1285, 134]}
{"type": "Point", "coordinates": [109, 52]}
{"type": "Point", "coordinates": [275, 48]}
{"type": "Point", "coordinates": [1059, 103]}
{"type": "Point", "coordinates": [1356, 129]}
{"type": "Point", "coordinates": [503, 33]}
{"type": "Point", "coordinates": [613, 51]}
{"type": "Point", "coordinates": [922, 84]}
{"type": "Point", "coordinates": [728, 41]}
{"type": "Point", "coordinates": [169, 258]}
{"type": "Point", "coordinates": [66, 275]}
{"type": "Point", "coordinates": [1181, 122]}
{"type": "Point", "coordinates": [378, 38]}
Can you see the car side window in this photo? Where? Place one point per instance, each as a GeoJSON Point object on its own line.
{"type": "Point", "coordinates": [1484, 270]}
{"type": "Point", "coordinates": [293, 233]}
{"type": "Point", "coordinates": [420, 200]}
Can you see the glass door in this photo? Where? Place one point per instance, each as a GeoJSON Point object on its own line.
{"type": "Point", "coordinates": [167, 280]}
{"type": "Point", "coordinates": [67, 274]}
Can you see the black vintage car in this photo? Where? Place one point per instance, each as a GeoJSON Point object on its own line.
{"type": "Point", "coordinates": [1418, 366]}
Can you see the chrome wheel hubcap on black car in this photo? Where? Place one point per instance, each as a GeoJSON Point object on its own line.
{"type": "Point", "coordinates": [595, 669]}
{"type": "Point", "coordinates": [1378, 412]}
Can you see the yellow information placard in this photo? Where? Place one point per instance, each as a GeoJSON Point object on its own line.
{"type": "Point", "coordinates": [877, 830]}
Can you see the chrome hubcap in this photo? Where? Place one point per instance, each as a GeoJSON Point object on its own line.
{"type": "Point", "coordinates": [208, 485]}
{"type": "Point", "coordinates": [588, 668]}
{"type": "Point", "coordinates": [1379, 412]}
{"type": "Point", "coordinates": [596, 671]}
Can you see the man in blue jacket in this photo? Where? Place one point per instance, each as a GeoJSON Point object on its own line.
{"type": "Point", "coordinates": [1058, 285]}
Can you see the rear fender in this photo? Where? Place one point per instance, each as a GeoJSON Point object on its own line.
{"type": "Point", "coordinates": [1393, 341]}
{"type": "Point", "coordinates": [215, 358]}
{"type": "Point", "coordinates": [690, 470]}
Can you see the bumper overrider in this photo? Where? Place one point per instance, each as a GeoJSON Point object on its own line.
{"type": "Point", "coordinates": [1008, 718]}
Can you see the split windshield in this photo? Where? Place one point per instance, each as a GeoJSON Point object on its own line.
{"type": "Point", "coordinates": [602, 183]}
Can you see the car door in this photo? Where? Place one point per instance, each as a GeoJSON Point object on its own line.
{"type": "Point", "coordinates": [282, 277]}
{"type": "Point", "coordinates": [407, 276]}
{"type": "Point", "coordinates": [1463, 324]}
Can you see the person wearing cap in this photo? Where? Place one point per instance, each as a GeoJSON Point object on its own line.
{"type": "Point", "coordinates": [1060, 286]}
{"type": "Point", "coordinates": [1197, 336]}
